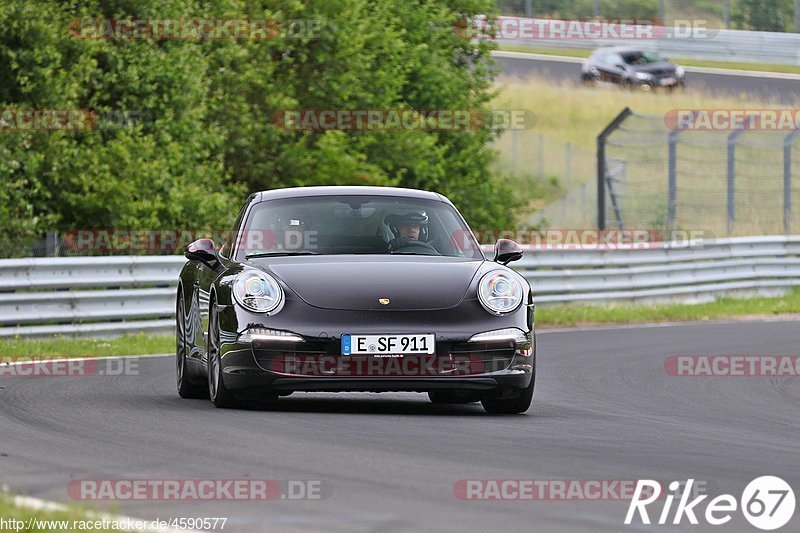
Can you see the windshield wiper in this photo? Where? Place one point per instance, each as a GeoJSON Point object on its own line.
{"type": "Point", "coordinates": [278, 254]}
{"type": "Point", "coordinates": [396, 252]}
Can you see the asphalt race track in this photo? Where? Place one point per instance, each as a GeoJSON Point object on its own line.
{"type": "Point", "coordinates": [604, 409]}
{"type": "Point", "coordinates": [783, 89]}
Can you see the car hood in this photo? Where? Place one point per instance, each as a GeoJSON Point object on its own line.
{"type": "Point", "coordinates": [657, 68]}
{"type": "Point", "coordinates": [357, 283]}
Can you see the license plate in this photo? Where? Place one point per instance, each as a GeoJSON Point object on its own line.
{"type": "Point", "coordinates": [668, 81]}
{"type": "Point", "coordinates": [388, 344]}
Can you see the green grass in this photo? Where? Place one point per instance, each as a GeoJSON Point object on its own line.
{"type": "Point", "coordinates": [71, 515]}
{"type": "Point", "coordinates": [735, 65]}
{"type": "Point", "coordinates": [140, 344]}
{"type": "Point", "coordinates": [576, 315]}
{"type": "Point", "coordinates": [569, 112]}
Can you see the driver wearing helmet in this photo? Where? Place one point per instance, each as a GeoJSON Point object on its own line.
{"type": "Point", "coordinates": [406, 228]}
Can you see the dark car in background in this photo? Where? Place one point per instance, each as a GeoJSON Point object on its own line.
{"type": "Point", "coordinates": [354, 289]}
{"type": "Point", "coordinates": [632, 68]}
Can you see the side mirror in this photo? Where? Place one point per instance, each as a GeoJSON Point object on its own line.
{"type": "Point", "coordinates": [506, 250]}
{"type": "Point", "coordinates": [202, 250]}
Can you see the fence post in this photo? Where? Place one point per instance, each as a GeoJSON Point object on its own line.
{"type": "Point", "coordinates": [529, 8]}
{"type": "Point", "coordinates": [797, 16]}
{"type": "Point", "coordinates": [51, 244]}
{"type": "Point", "coordinates": [727, 14]}
{"type": "Point", "coordinates": [672, 201]}
{"type": "Point", "coordinates": [541, 156]}
{"type": "Point", "coordinates": [732, 139]}
{"type": "Point", "coordinates": [787, 180]}
{"type": "Point", "coordinates": [569, 165]}
{"type": "Point", "coordinates": [515, 151]}
{"type": "Point", "coordinates": [601, 165]}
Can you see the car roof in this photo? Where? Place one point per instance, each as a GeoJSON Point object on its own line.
{"type": "Point", "coordinates": [619, 49]}
{"type": "Point", "coordinates": [299, 192]}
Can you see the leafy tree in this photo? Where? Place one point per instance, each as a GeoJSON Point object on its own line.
{"type": "Point", "coordinates": [764, 15]}
{"type": "Point", "coordinates": [204, 135]}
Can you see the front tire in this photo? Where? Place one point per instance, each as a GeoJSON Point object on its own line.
{"type": "Point", "coordinates": [512, 406]}
{"type": "Point", "coordinates": [220, 396]}
{"type": "Point", "coordinates": [186, 388]}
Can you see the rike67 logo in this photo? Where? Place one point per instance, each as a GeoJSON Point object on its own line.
{"type": "Point", "coordinates": [767, 502]}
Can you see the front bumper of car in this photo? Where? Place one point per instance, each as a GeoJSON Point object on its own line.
{"type": "Point", "coordinates": [306, 355]}
{"type": "Point", "coordinates": [656, 82]}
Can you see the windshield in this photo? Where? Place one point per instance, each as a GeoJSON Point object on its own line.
{"type": "Point", "coordinates": [641, 57]}
{"type": "Point", "coordinates": [335, 225]}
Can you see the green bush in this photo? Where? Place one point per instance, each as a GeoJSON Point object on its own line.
{"type": "Point", "coordinates": [206, 138]}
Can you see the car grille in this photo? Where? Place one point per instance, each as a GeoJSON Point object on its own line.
{"type": "Point", "coordinates": [324, 359]}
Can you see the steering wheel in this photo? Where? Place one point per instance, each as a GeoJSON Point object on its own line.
{"type": "Point", "coordinates": [419, 244]}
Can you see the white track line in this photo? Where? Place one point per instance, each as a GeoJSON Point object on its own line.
{"type": "Point", "coordinates": [68, 359]}
{"type": "Point", "coordinates": [649, 325]}
{"type": "Point", "coordinates": [696, 70]}
{"type": "Point", "coordinates": [27, 502]}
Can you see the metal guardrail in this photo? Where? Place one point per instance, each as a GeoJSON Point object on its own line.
{"type": "Point", "coordinates": [692, 43]}
{"type": "Point", "coordinates": [115, 295]}
{"type": "Point", "coordinates": [88, 295]}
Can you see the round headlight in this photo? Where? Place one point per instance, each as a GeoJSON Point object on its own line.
{"type": "Point", "coordinates": [257, 291]}
{"type": "Point", "coordinates": [499, 292]}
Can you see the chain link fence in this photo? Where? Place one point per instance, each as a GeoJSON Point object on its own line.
{"type": "Point", "coordinates": [726, 182]}
{"type": "Point", "coordinates": [729, 14]}
{"type": "Point", "coordinates": [543, 167]}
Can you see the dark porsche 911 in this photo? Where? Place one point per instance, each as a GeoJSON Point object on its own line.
{"type": "Point", "coordinates": [632, 67]}
{"type": "Point", "coordinates": [354, 289]}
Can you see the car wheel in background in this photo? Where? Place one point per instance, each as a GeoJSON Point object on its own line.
{"type": "Point", "coordinates": [186, 388]}
{"type": "Point", "coordinates": [219, 395]}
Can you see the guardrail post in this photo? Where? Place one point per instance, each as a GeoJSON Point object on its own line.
{"type": "Point", "coordinates": [601, 165]}
{"type": "Point", "coordinates": [787, 180]}
{"type": "Point", "coordinates": [672, 201]}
